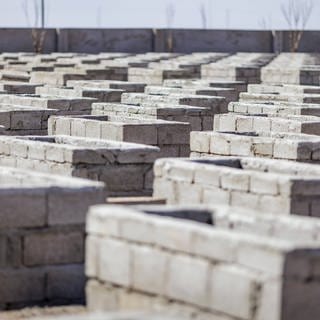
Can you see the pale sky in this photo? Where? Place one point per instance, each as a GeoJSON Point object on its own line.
{"type": "Point", "coordinates": [232, 14]}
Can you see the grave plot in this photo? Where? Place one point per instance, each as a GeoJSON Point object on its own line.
{"type": "Point", "coordinates": [119, 68]}
{"type": "Point", "coordinates": [297, 147]}
{"type": "Point", "coordinates": [157, 75]}
{"type": "Point", "coordinates": [283, 89]}
{"type": "Point", "coordinates": [198, 117]}
{"type": "Point", "coordinates": [42, 221]}
{"type": "Point", "coordinates": [28, 67]}
{"type": "Point", "coordinates": [62, 75]}
{"type": "Point", "coordinates": [275, 108]}
{"type": "Point", "coordinates": [57, 78]}
{"type": "Point", "coordinates": [262, 270]}
{"type": "Point", "coordinates": [239, 67]}
{"type": "Point", "coordinates": [227, 93]}
{"type": "Point", "coordinates": [65, 105]}
{"type": "Point", "coordinates": [64, 65]}
{"type": "Point", "coordinates": [78, 61]}
{"type": "Point", "coordinates": [295, 98]}
{"type": "Point", "coordinates": [293, 68]}
{"type": "Point", "coordinates": [96, 72]}
{"type": "Point", "coordinates": [264, 88]}
{"type": "Point", "coordinates": [216, 104]}
{"type": "Point", "coordinates": [62, 70]}
{"type": "Point", "coordinates": [14, 76]}
{"type": "Point", "coordinates": [292, 228]}
{"type": "Point", "coordinates": [262, 185]}
{"type": "Point", "coordinates": [108, 84]}
{"type": "Point", "coordinates": [126, 168]}
{"type": "Point", "coordinates": [143, 59]}
{"type": "Point", "coordinates": [100, 95]}
{"type": "Point", "coordinates": [171, 137]}
{"type": "Point", "coordinates": [112, 55]}
{"type": "Point", "coordinates": [191, 62]}
{"type": "Point", "coordinates": [98, 58]}
{"type": "Point", "coordinates": [18, 120]}
{"type": "Point", "coordinates": [16, 87]}
{"type": "Point", "coordinates": [239, 86]}
{"type": "Point", "coordinates": [267, 123]}
{"type": "Point", "coordinates": [4, 56]}
{"type": "Point", "coordinates": [128, 315]}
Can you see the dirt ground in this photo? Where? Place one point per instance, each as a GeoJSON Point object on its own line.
{"type": "Point", "coordinates": [33, 313]}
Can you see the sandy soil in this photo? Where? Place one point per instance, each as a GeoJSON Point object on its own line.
{"type": "Point", "coordinates": [31, 313]}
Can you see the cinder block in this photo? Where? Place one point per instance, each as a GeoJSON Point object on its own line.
{"type": "Point", "coordinates": [149, 269]}
{"type": "Point", "coordinates": [66, 283]}
{"type": "Point", "coordinates": [241, 300]}
{"type": "Point", "coordinates": [185, 273]}
{"type": "Point", "coordinates": [51, 247]}
{"type": "Point", "coordinates": [26, 285]}
{"type": "Point", "coordinates": [115, 260]}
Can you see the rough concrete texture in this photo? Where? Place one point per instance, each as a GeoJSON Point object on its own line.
{"type": "Point", "coordinates": [254, 146]}
{"type": "Point", "coordinates": [171, 137]}
{"type": "Point", "coordinates": [239, 67]}
{"type": "Point", "coordinates": [289, 146]}
{"type": "Point", "coordinates": [199, 118]}
{"type": "Point", "coordinates": [126, 168]}
{"type": "Point", "coordinates": [292, 68]}
{"type": "Point", "coordinates": [42, 236]}
{"type": "Point", "coordinates": [267, 123]}
{"type": "Point", "coordinates": [15, 40]}
{"type": "Point", "coordinates": [114, 316]}
{"type": "Point", "coordinates": [159, 40]}
{"type": "Point", "coordinates": [42, 312]}
{"type": "Point", "coordinates": [269, 276]}
{"type": "Point", "coordinates": [264, 185]}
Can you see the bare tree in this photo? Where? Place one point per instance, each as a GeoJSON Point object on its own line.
{"type": "Point", "coordinates": [203, 15]}
{"type": "Point", "coordinates": [227, 18]}
{"type": "Point", "coordinates": [170, 15]}
{"type": "Point", "coordinates": [297, 14]}
{"type": "Point", "coordinates": [98, 17]}
{"type": "Point", "coordinates": [210, 7]}
{"type": "Point", "coordinates": [36, 23]}
{"type": "Point", "coordinates": [265, 23]}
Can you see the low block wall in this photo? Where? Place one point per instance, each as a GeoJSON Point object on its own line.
{"type": "Point", "coordinates": [63, 104]}
{"type": "Point", "coordinates": [297, 147]}
{"type": "Point", "coordinates": [239, 86]}
{"type": "Point", "coordinates": [229, 94]}
{"type": "Point", "coordinates": [42, 237]}
{"type": "Point", "coordinates": [158, 40]}
{"type": "Point", "coordinates": [267, 123]}
{"type": "Point", "coordinates": [262, 185]}
{"type": "Point", "coordinates": [171, 137]}
{"type": "Point", "coordinates": [125, 168]}
{"type": "Point", "coordinates": [215, 104]}
{"type": "Point", "coordinates": [19, 120]}
{"type": "Point", "coordinates": [283, 109]}
{"type": "Point", "coordinates": [199, 118]}
{"type": "Point", "coordinates": [161, 257]}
